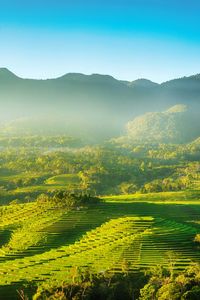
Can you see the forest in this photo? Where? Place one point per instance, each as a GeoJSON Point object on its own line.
{"type": "Point", "coordinates": [31, 166]}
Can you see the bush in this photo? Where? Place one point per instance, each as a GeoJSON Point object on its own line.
{"type": "Point", "coordinates": [66, 199]}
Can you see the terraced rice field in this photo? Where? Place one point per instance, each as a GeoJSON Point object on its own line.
{"type": "Point", "coordinates": [102, 237]}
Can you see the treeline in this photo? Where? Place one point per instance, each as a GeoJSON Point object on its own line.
{"type": "Point", "coordinates": [160, 283]}
{"type": "Point", "coordinates": [67, 199]}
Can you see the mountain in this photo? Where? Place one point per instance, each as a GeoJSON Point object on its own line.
{"type": "Point", "coordinates": [175, 125]}
{"type": "Point", "coordinates": [99, 104]}
{"type": "Point", "coordinates": [142, 83]}
{"type": "Point", "coordinates": [6, 75]}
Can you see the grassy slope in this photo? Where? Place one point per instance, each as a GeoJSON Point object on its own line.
{"type": "Point", "coordinates": [99, 237]}
{"type": "Point", "coordinates": [65, 179]}
{"type": "Point", "coordinates": [188, 196]}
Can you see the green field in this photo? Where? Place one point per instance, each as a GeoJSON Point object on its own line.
{"type": "Point", "coordinates": [63, 180]}
{"type": "Point", "coordinates": [101, 237]}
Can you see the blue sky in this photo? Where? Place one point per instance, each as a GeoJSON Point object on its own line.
{"type": "Point", "coordinates": [155, 39]}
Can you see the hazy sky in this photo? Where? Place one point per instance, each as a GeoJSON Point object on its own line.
{"type": "Point", "coordinates": [129, 39]}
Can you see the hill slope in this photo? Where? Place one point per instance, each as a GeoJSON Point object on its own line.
{"type": "Point", "coordinates": [175, 125]}
{"type": "Point", "coordinates": [101, 237]}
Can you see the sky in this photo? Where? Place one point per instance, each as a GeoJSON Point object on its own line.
{"type": "Point", "coordinates": [128, 39]}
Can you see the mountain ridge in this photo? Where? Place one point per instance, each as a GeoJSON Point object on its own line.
{"type": "Point", "coordinates": [97, 102]}
{"type": "Point", "coordinates": [74, 74]}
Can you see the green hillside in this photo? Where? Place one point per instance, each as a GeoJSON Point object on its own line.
{"type": "Point", "coordinates": [175, 125]}
{"type": "Point", "coordinates": [100, 237]}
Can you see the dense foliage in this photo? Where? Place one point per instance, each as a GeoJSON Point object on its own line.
{"type": "Point", "coordinates": [159, 284]}
{"type": "Point", "coordinates": [67, 199]}
{"type": "Point", "coordinates": [29, 170]}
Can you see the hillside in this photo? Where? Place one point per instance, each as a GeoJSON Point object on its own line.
{"type": "Point", "coordinates": [176, 125]}
{"type": "Point", "coordinates": [105, 237]}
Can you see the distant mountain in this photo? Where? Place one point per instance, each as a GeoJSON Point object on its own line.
{"type": "Point", "coordinates": [175, 125]}
{"type": "Point", "coordinates": [5, 75]}
{"type": "Point", "coordinates": [100, 104]}
{"type": "Point", "coordinates": [142, 83]}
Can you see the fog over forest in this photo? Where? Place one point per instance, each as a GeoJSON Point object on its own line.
{"type": "Point", "coordinates": [93, 106]}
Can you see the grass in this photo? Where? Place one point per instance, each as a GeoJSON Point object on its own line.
{"type": "Point", "coordinates": [38, 188]}
{"type": "Point", "coordinates": [188, 196]}
{"type": "Point", "coordinates": [100, 237]}
{"type": "Point", "coordinates": [9, 176]}
{"type": "Point", "coordinates": [64, 180]}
